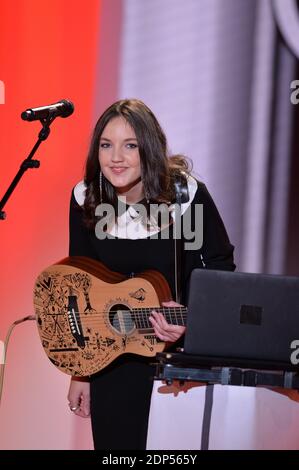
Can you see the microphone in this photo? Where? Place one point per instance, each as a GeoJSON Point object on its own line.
{"type": "Point", "coordinates": [63, 108]}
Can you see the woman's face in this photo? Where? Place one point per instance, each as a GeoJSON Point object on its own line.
{"type": "Point", "coordinates": [119, 155]}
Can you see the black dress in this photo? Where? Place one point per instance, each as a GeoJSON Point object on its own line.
{"type": "Point", "coordinates": [121, 393]}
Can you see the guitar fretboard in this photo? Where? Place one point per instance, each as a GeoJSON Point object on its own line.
{"type": "Point", "coordinates": [173, 315]}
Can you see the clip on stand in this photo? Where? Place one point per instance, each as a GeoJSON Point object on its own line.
{"type": "Point", "coordinates": [28, 163]}
{"type": "Point", "coordinates": [183, 367]}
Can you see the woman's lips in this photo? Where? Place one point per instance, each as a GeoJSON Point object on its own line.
{"type": "Point", "coordinates": [118, 170]}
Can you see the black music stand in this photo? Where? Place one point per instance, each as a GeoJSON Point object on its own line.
{"type": "Point", "coordinates": [240, 331]}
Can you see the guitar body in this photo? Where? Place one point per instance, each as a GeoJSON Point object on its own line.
{"type": "Point", "coordinates": [87, 315]}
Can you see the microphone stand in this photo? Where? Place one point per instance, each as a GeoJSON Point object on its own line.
{"type": "Point", "coordinates": [28, 163]}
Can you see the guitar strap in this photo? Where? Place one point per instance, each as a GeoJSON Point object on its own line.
{"type": "Point", "coordinates": [182, 196]}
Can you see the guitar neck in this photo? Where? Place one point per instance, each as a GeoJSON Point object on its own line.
{"type": "Point", "coordinates": [173, 315]}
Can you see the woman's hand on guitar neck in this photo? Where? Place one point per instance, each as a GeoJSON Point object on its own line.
{"type": "Point", "coordinates": [163, 330]}
{"type": "Point", "coordinates": [79, 396]}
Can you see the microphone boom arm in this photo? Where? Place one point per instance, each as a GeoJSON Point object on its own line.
{"type": "Point", "coordinates": [28, 163]}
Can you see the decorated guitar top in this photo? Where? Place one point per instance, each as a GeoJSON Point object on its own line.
{"type": "Point", "coordinates": [87, 315]}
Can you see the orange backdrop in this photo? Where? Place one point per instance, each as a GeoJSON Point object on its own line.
{"type": "Point", "coordinates": [48, 51]}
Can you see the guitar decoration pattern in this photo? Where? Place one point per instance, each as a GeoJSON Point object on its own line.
{"type": "Point", "coordinates": [87, 315]}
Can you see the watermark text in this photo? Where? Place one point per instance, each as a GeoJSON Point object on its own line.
{"type": "Point", "coordinates": [2, 353]}
{"type": "Point", "coordinates": [145, 224]}
{"type": "Point", "coordinates": [295, 94]}
{"type": "Point", "coordinates": [294, 358]}
{"type": "Point", "coordinates": [2, 92]}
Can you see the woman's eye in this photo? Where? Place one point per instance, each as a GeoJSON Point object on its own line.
{"type": "Point", "coordinates": [132, 146]}
{"type": "Point", "coordinates": [104, 145]}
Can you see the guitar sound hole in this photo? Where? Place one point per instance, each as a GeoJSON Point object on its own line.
{"type": "Point", "coordinates": [121, 319]}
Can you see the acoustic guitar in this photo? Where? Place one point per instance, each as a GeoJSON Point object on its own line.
{"type": "Point", "coordinates": [87, 315]}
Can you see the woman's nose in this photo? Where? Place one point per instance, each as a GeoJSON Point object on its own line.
{"type": "Point", "coordinates": [117, 155]}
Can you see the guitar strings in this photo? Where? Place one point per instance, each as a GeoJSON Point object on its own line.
{"type": "Point", "coordinates": [129, 319]}
{"type": "Point", "coordinates": [133, 313]}
{"type": "Point", "coordinates": [124, 313]}
{"type": "Point", "coordinates": [138, 312]}
{"type": "Point", "coordinates": [137, 320]}
{"type": "Point", "coordinates": [124, 320]}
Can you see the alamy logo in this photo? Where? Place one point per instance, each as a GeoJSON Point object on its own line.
{"type": "Point", "coordinates": [295, 94]}
{"type": "Point", "coordinates": [294, 358]}
{"type": "Point", "coordinates": [2, 353]}
{"type": "Point", "coordinates": [2, 92]}
{"type": "Point", "coordinates": [182, 229]}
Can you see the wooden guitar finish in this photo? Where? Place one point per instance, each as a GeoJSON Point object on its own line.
{"type": "Point", "coordinates": [87, 315]}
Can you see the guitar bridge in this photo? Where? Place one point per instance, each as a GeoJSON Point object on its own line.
{"type": "Point", "coordinates": [75, 321]}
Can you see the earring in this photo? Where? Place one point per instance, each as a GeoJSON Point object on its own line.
{"type": "Point", "coordinates": [101, 187]}
{"type": "Point", "coordinates": [146, 195]}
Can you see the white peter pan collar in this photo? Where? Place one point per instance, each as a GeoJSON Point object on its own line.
{"type": "Point", "coordinates": [129, 225]}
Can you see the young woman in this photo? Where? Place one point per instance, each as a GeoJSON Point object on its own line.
{"type": "Point", "coordinates": [127, 168]}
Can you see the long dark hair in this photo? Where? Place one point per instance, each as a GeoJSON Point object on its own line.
{"type": "Point", "coordinates": [158, 170]}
